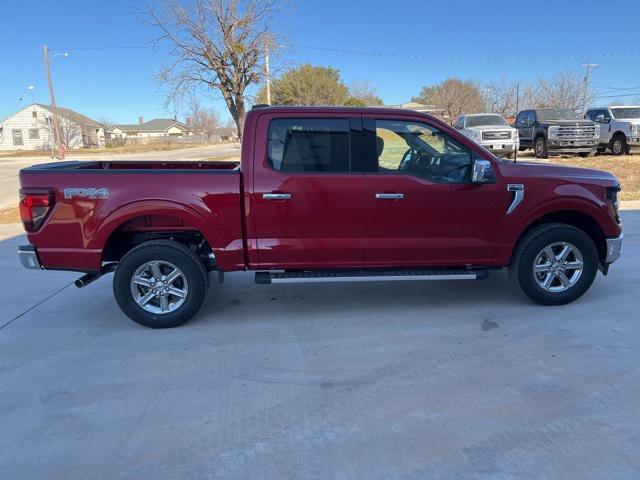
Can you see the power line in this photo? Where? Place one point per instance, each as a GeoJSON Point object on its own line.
{"type": "Point", "coordinates": [467, 58]}
{"type": "Point", "coordinates": [636, 94]}
{"type": "Point", "coordinates": [392, 54]}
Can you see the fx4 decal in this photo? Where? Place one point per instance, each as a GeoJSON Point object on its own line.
{"type": "Point", "coordinates": [86, 193]}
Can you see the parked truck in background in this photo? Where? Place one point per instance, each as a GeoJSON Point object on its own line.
{"type": "Point", "coordinates": [619, 128]}
{"type": "Point", "coordinates": [321, 195]}
{"type": "Point", "coordinates": [556, 131]}
{"type": "Point", "coordinates": [490, 131]}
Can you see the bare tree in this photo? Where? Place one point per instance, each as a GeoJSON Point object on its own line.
{"type": "Point", "coordinates": [454, 96]}
{"type": "Point", "coordinates": [218, 44]}
{"type": "Point", "coordinates": [201, 119]}
{"type": "Point", "coordinates": [70, 132]}
{"type": "Point", "coordinates": [501, 96]}
{"type": "Point", "coordinates": [364, 91]}
{"type": "Point", "coordinates": [564, 90]}
{"type": "Point", "coordinates": [106, 123]}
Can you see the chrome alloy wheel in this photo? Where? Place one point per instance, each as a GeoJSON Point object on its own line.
{"type": "Point", "coordinates": [159, 287]}
{"type": "Point", "coordinates": [558, 267]}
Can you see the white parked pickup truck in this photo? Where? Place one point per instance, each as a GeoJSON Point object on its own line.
{"type": "Point", "coordinates": [491, 131]}
{"type": "Point", "coordinates": [619, 128]}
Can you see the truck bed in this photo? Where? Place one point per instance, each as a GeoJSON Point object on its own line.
{"type": "Point", "coordinates": [94, 199]}
{"type": "Point", "coordinates": [56, 167]}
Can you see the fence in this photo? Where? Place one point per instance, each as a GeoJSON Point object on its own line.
{"type": "Point", "coordinates": [191, 139]}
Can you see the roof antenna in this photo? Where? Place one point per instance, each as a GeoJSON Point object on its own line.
{"type": "Point", "coordinates": [515, 151]}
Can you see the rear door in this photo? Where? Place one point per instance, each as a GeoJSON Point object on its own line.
{"type": "Point", "coordinates": [308, 191]}
{"type": "Point", "coordinates": [421, 207]}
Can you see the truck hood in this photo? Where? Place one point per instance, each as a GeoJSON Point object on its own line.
{"type": "Point", "coordinates": [490, 128]}
{"type": "Point", "coordinates": [633, 121]}
{"type": "Point", "coordinates": [570, 173]}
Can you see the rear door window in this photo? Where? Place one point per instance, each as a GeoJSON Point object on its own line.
{"type": "Point", "coordinates": [310, 145]}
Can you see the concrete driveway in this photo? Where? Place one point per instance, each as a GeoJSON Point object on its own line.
{"type": "Point", "coordinates": [9, 167]}
{"type": "Point", "coordinates": [409, 380]}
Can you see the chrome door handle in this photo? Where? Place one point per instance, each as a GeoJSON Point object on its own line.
{"type": "Point", "coordinates": [389, 196]}
{"type": "Point", "coordinates": [276, 196]}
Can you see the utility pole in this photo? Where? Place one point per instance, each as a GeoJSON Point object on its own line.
{"type": "Point", "coordinates": [56, 124]}
{"type": "Point", "coordinates": [267, 73]}
{"type": "Point", "coordinates": [588, 66]}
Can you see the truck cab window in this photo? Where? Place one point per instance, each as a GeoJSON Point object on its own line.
{"type": "Point", "coordinates": [309, 145]}
{"type": "Point", "coordinates": [419, 149]}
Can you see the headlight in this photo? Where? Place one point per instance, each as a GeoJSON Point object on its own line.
{"type": "Point", "coordinates": [596, 132]}
{"type": "Point", "coordinates": [473, 135]}
{"type": "Point", "coordinates": [635, 129]}
{"type": "Point", "coordinates": [553, 132]}
{"type": "Point", "coordinates": [612, 198]}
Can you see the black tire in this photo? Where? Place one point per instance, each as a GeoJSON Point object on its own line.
{"type": "Point", "coordinates": [618, 145]}
{"type": "Point", "coordinates": [540, 147]}
{"type": "Point", "coordinates": [193, 272]}
{"type": "Point", "coordinates": [521, 268]}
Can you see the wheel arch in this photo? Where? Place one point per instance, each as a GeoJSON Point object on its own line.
{"type": "Point", "coordinates": [576, 218]}
{"type": "Point", "coordinates": [138, 222]}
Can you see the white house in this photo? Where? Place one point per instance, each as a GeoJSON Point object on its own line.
{"type": "Point", "coordinates": [158, 127]}
{"type": "Point", "coordinates": [32, 129]}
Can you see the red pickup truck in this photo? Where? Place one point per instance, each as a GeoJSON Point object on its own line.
{"type": "Point", "coordinates": [321, 195]}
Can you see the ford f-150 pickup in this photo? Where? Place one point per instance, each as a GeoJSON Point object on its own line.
{"type": "Point", "coordinates": [321, 195]}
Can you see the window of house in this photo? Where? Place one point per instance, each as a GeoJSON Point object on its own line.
{"type": "Point", "coordinates": [34, 134]}
{"type": "Point", "coordinates": [309, 145]}
{"type": "Point", "coordinates": [419, 149]}
{"type": "Point", "coordinates": [17, 137]}
{"type": "Point", "coordinates": [34, 114]}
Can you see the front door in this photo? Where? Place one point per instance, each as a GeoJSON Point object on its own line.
{"type": "Point", "coordinates": [525, 126]}
{"type": "Point", "coordinates": [308, 193]}
{"type": "Point", "coordinates": [421, 207]}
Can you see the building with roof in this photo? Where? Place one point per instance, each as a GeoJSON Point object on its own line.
{"type": "Point", "coordinates": [32, 129]}
{"type": "Point", "coordinates": [158, 127]}
{"type": "Point", "coordinates": [419, 107]}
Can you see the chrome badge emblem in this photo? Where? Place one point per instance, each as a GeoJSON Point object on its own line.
{"type": "Point", "coordinates": [82, 192]}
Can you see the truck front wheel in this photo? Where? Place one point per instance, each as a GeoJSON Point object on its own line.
{"type": "Point", "coordinates": [618, 145]}
{"type": "Point", "coordinates": [540, 147]}
{"type": "Point", "coordinates": [554, 264]}
{"type": "Point", "coordinates": [160, 284]}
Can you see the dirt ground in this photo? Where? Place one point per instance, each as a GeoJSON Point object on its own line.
{"type": "Point", "coordinates": [133, 148]}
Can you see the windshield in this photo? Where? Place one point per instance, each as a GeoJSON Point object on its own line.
{"type": "Point", "coordinates": [480, 120]}
{"type": "Point", "coordinates": [626, 112]}
{"type": "Point", "coordinates": [546, 114]}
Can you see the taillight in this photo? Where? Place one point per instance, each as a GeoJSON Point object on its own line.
{"type": "Point", "coordinates": [34, 207]}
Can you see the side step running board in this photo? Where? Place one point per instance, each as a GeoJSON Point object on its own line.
{"type": "Point", "coordinates": [369, 276]}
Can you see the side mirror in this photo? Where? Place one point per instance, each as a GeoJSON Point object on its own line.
{"type": "Point", "coordinates": [482, 172]}
{"type": "Point", "coordinates": [599, 119]}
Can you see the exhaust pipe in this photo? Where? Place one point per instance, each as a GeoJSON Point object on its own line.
{"type": "Point", "coordinates": [88, 278]}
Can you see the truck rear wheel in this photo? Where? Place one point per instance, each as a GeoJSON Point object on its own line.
{"type": "Point", "coordinates": [554, 264]}
{"type": "Point", "coordinates": [540, 147]}
{"type": "Point", "coordinates": [160, 284]}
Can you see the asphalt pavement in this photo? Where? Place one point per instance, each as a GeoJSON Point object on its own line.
{"type": "Point", "coordinates": [408, 380]}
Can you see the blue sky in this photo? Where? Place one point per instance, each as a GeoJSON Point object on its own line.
{"type": "Point", "coordinates": [119, 84]}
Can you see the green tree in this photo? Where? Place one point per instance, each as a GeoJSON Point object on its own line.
{"type": "Point", "coordinates": [317, 85]}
